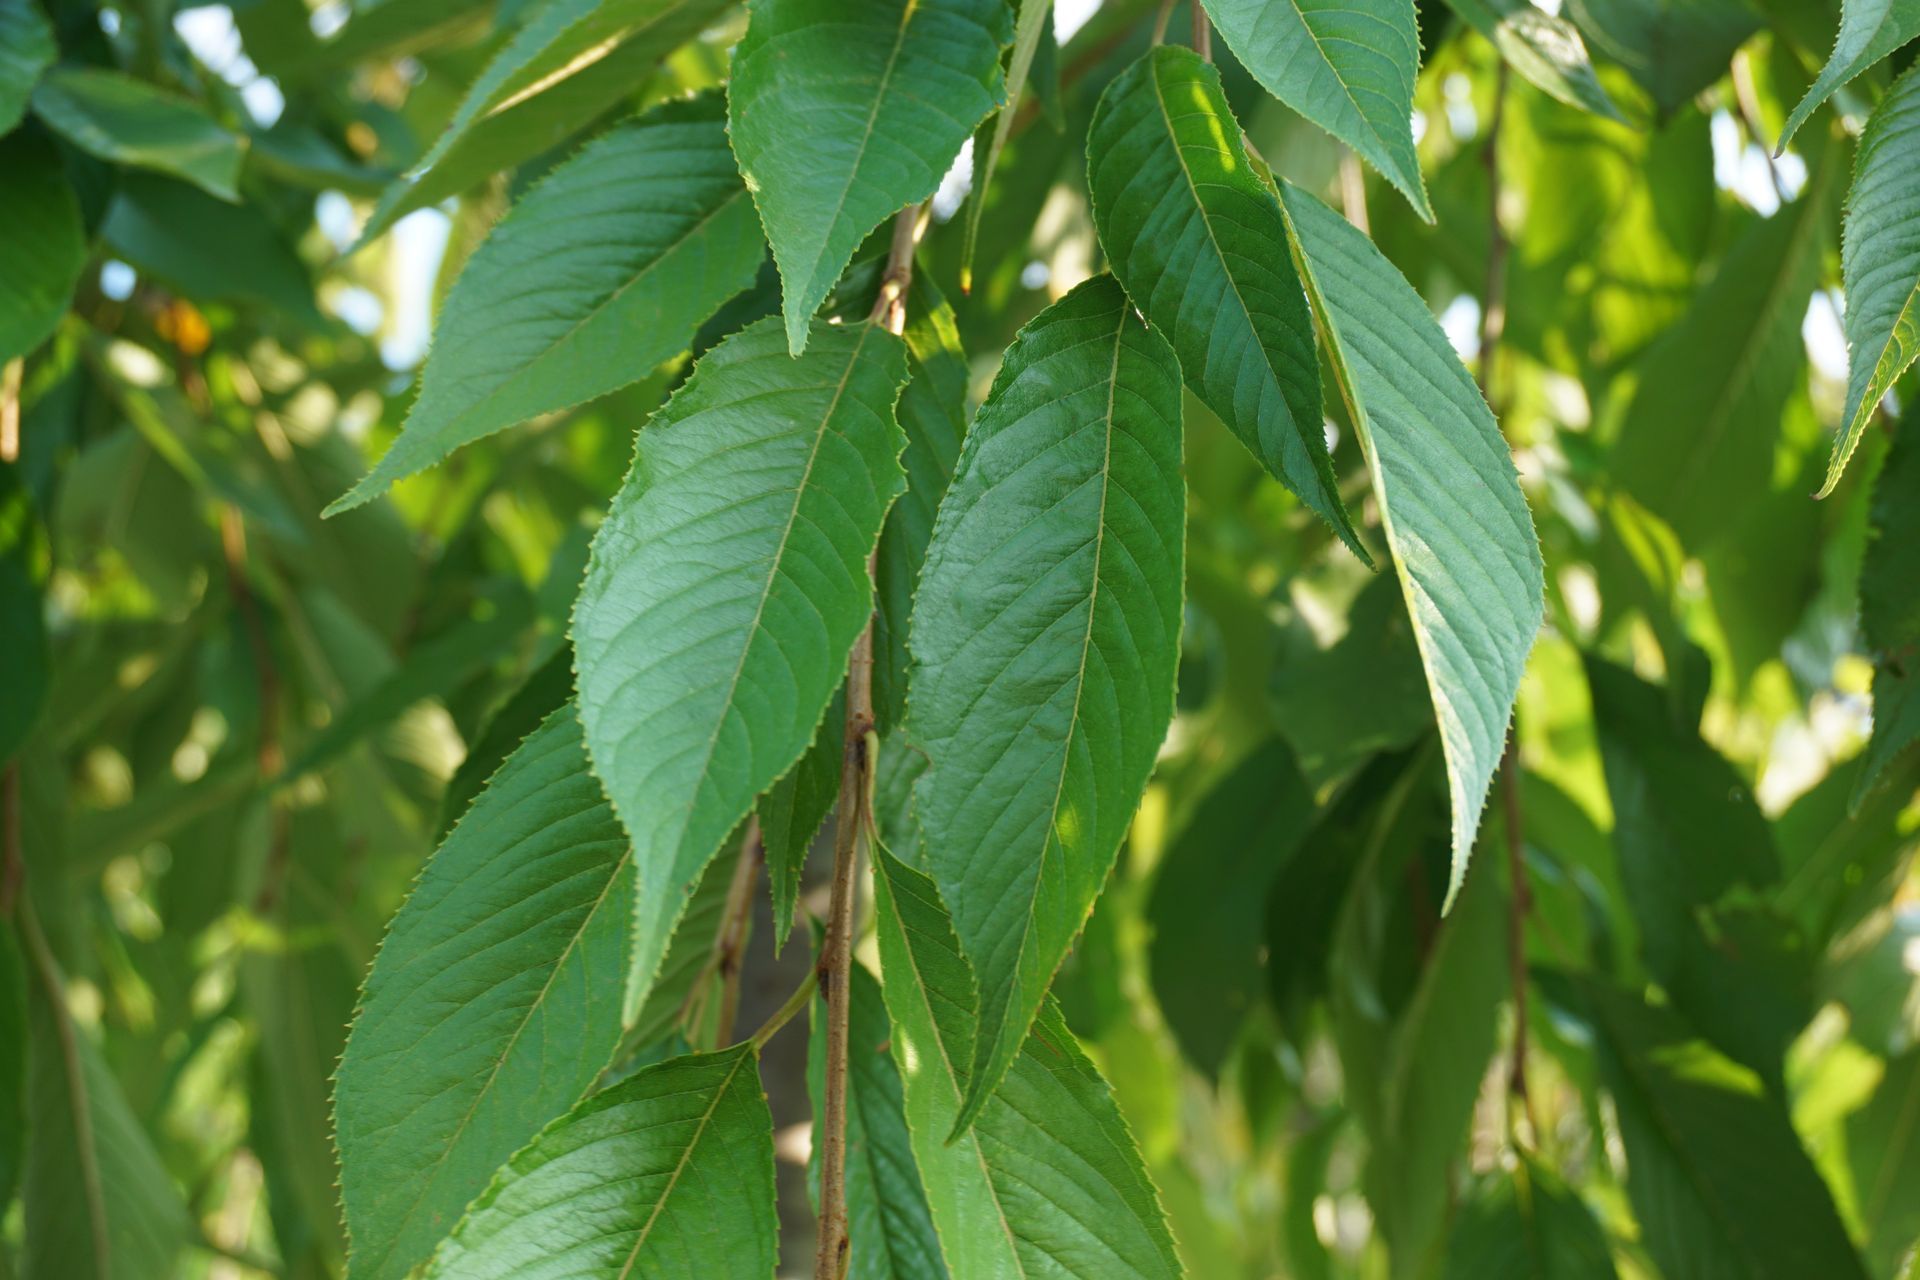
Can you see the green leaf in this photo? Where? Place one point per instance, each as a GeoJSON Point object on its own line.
{"type": "Point", "coordinates": [667, 1175]}
{"type": "Point", "coordinates": [793, 809]}
{"type": "Point", "coordinates": [1672, 48]}
{"type": "Point", "coordinates": [887, 1216]}
{"type": "Point", "coordinates": [1883, 1149]}
{"type": "Point", "coordinates": [843, 112]}
{"type": "Point", "coordinates": [604, 270]}
{"type": "Point", "coordinates": [1528, 1225]}
{"type": "Point", "coordinates": [206, 248]}
{"type": "Point", "coordinates": [98, 1203]}
{"type": "Point", "coordinates": [1045, 637]}
{"type": "Point", "coordinates": [26, 49]}
{"type": "Point", "coordinates": [550, 686]}
{"type": "Point", "coordinates": [1035, 21]}
{"type": "Point", "coordinates": [1207, 939]}
{"type": "Point", "coordinates": [703, 677]}
{"type": "Point", "coordinates": [130, 122]}
{"type": "Point", "coordinates": [1543, 47]}
{"type": "Point", "coordinates": [1890, 607]}
{"type": "Point", "coordinates": [489, 1009]}
{"type": "Point", "coordinates": [1880, 264]}
{"type": "Point", "coordinates": [15, 1037]}
{"type": "Point", "coordinates": [1869, 31]}
{"type": "Point", "coordinates": [1047, 1181]}
{"type": "Point", "coordinates": [1698, 1130]}
{"type": "Point", "coordinates": [1457, 525]}
{"type": "Point", "coordinates": [1197, 238]}
{"type": "Point", "coordinates": [1346, 65]}
{"type": "Point", "coordinates": [571, 62]}
{"type": "Point", "coordinates": [43, 247]}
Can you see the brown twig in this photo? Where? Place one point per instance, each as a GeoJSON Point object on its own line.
{"type": "Point", "coordinates": [1202, 33]}
{"type": "Point", "coordinates": [1493, 301]}
{"type": "Point", "coordinates": [730, 942]}
{"type": "Point", "coordinates": [10, 376]}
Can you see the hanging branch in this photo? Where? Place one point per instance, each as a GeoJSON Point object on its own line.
{"type": "Point", "coordinates": [836, 952]}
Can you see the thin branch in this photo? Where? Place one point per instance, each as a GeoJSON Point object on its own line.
{"type": "Point", "coordinates": [785, 1013]}
{"type": "Point", "coordinates": [1493, 297]}
{"type": "Point", "coordinates": [1202, 32]}
{"type": "Point", "coordinates": [1161, 21]}
{"type": "Point", "coordinates": [1353, 191]}
{"type": "Point", "coordinates": [730, 943]}
{"type": "Point", "coordinates": [890, 307]}
{"type": "Point", "coordinates": [10, 376]}
{"type": "Point", "coordinates": [1747, 102]}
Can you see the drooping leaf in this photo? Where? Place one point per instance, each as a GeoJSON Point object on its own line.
{"type": "Point", "coordinates": [1197, 238]}
{"type": "Point", "coordinates": [844, 111]}
{"type": "Point", "coordinates": [1890, 607]}
{"type": "Point", "coordinates": [1869, 31]}
{"type": "Point", "coordinates": [667, 1174]}
{"type": "Point", "coordinates": [888, 1222]}
{"type": "Point", "coordinates": [572, 61]}
{"type": "Point", "coordinates": [793, 809]}
{"type": "Point", "coordinates": [1883, 1150]}
{"type": "Point", "coordinates": [1544, 47]}
{"type": "Point", "coordinates": [98, 1204]}
{"type": "Point", "coordinates": [1207, 944]}
{"type": "Point", "coordinates": [493, 1003]}
{"type": "Point", "coordinates": [1346, 65]}
{"type": "Point", "coordinates": [1880, 263]}
{"type": "Point", "coordinates": [1047, 1181]}
{"type": "Point", "coordinates": [702, 678]}
{"type": "Point", "coordinates": [26, 49]}
{"type": "Point", "coordinates": [130, 122]}
{"type": "Point", "coordinates": [1528, 1225]}
{"type": "Point", "coordinates": [1457, 525]}
{"type": "Point", "coordinates": [547, 688]}
{"type": "Point", "coordinates": [1034, 24]}
{"type": "Point", "coordinates": [1698, 1128]}
{"type": "Point", "coordinates": [1673, 48]}
{"type": "Point", "coordinates": [1045, 636]}
{"type": "Point", "coordinates": [602, 272]}
{"type": "Point", "coordinates": [42, 245]}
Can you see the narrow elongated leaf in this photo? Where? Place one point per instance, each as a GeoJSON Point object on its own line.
{"type": "Point", "coordinates": [491, 1007]}
{"type": "Point", "coordinates": [1697, 1127]}
{"type": "Point", "coordinates": [845, 111]}
{"type": "Point", "coordinates": [1346, 65]}
{"type": "Point", "coordinates": [1197, 238]}
{"type": "Point", "coordinates": [1869, 31]}
{"type": "Point", "coordinates": [1697, 444]}
{"type": "Point", "coordinates": [26, 49]}
{"type": "Point", "coordinates": [702, 677]}
{"type": "Point", "coordinates": [129, 121]}
{"type": "Point", "coordinates": [1047, 1181]}
{"type": "Point", "coordinates": [547, 688]}
{"type": "Point", "coordinates": [572, 61]}
{"type": "Point", "coordinates": [1035, 21]}
{"type": "Point", "coordinates": [888, 1221]}
{"type": "Point", "coordinates": [42, 244]}
{"type": "Point", "coordinates": [1045, 637]}
{"type": "Point", "coordinates": [1528, 1225]}
{"type": "Point", "coordinates": [1890, 607]}
{"type": "Point", "coordinates": [97, 1202]}
{"type": "Point", "coordinates": [1544, 47]}
{"type": "Point", "coordinates": [603, 271]}
{"type": "Point", "coordinates": [667, 1175]}
{"type": "Point", "coordinates": [1880, 263]}
{"type": "Point", "coordinates": [1457, 524]}
{"type": "Point", "coordinates": [933, 414]}
{"type": "Point", "coordinates": [1673, 48]}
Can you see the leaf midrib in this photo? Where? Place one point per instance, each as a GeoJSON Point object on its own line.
{"type": "Point", "coordinates": [686, 1155]}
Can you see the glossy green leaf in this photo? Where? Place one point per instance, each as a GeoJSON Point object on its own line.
{"type": "Point", "coordinates": [602, 272]}
{"type": "Point", "coordinates": [570, 63]}
{"type": "Point", "coordinates": [130, 122]}
{"type": "Point", "coordinates": [1869, 31]}
{"type": "Point", "coordinates": [1673, 48]}
{"type": "Point", "coordinates": [1458, 528]}
{"type": "Point", "coordinates": [26, 49]}
{"type": "Point", "coordinates": [1880, 264]}
{"type": "Point", "coordinates": [1207, 945]}
{"type": "Point", "coordinates": [1047, 1181]}
{"type": "Point", "coordinates": [844, 111]}
{"type": "Point", "coordinates": [793, 810]}
{"type": "Point", "coordinates": [1035, 21]}
{"type": "Point", "coordinates": [1527, 1225]}
{"type": "Point", "coordinates": [667, 1175]}
{"type": "Point", "coordinates": [1698, 1129]}
{"type": "Point", "coordinates": [1543, 47]}
{"type": "Point", "coordinates": [1045, 637]}
{"type": "Point", "coordinates": [1197, 238]}
{"type": "Point", "coordinates": [1890, 608]}
{"type": "Point", "coordinates": [493, 1005]}
{"type": "Point", "coordinates": [703, 677]}
{"type": "Point", "coordinates": [43, 247]}
{"type": "Point", "coordinates": [1346, 65]}
{"type": "Point", "coordinates": [888, 1221]}
{"type": "Point", "coordinates": [98, 1204]}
